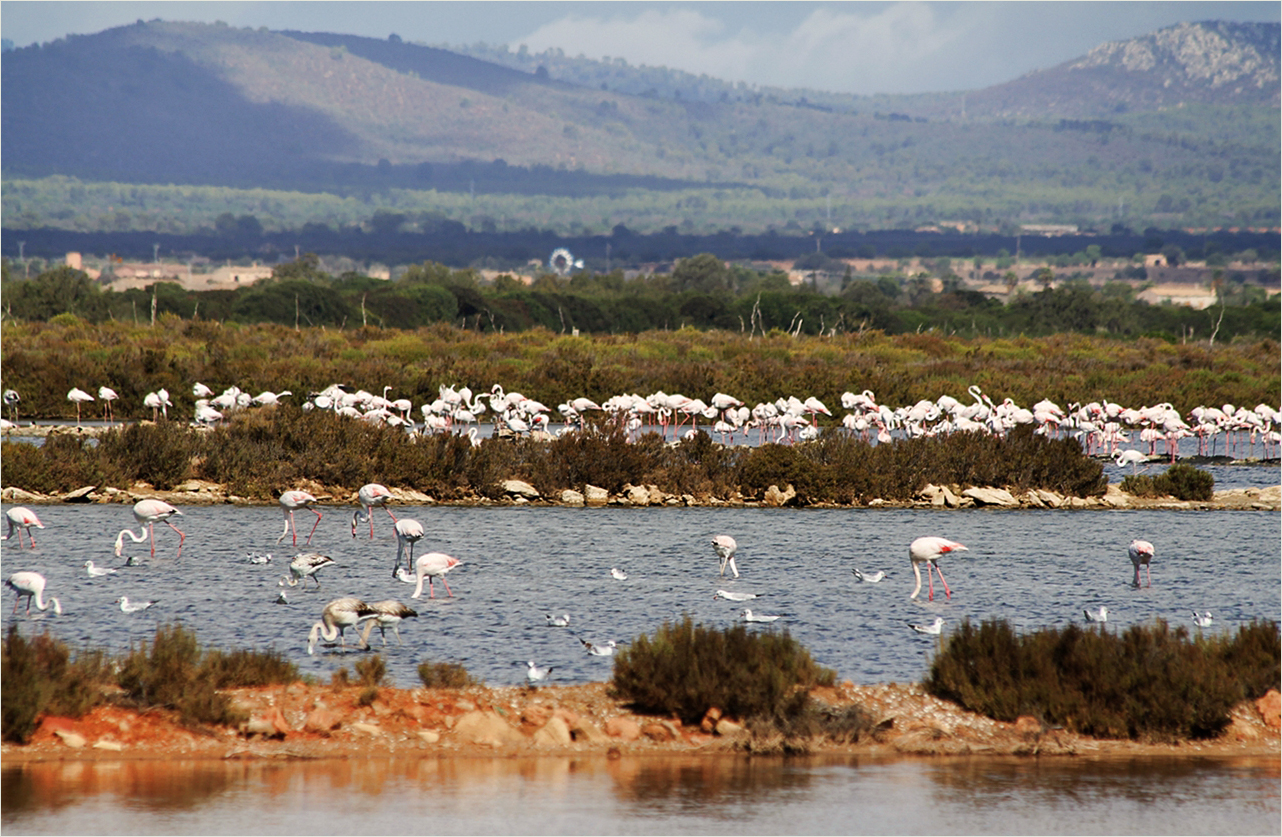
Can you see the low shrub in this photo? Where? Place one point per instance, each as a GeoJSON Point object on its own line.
{"type": "Point", "coordinates": [445, 675]}
{"type": "Point", "coordinates": [1183, 482]}
{"type": "Point", "coordinates": [372, 671]}
{"type": "Point", "coordinates": [40, 676]}
{"type": "Point", "coordinates": [242, 667]}
{"type": "Point", "coordinates": [1149, 682]}
{"type": "Point", "coordinates": [685, 669]}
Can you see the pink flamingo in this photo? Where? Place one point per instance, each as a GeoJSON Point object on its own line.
{"type": "Point", "coordinates": [148, 513]}
{"type": "Point", "coordinates": [32, 586]}
{"type": "Point", "coordinates": [290, 500]}
{"type": "Point", "coordinates": [1141, 552]}
{"type": "Point", "coordinates": [434, 565]}
{"type": "Point", "coordinates": [21, 517]}
{"type": "Point", "coordinates": [369, 496]}
{"type": "Point", "coordinates": [407, 532]}
{"type": "Point", "coordinates": [928, 550]}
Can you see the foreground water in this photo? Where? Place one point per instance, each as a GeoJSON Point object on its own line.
{"type": "Point", "coordinates": [664, 795]}
{"type": "Point", "coordinates": [1030, 567]}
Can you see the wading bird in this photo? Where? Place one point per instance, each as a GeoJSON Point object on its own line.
{"type": "Point", "coordinates": [148, 513]}
{"type": "Point", "coordinates": [928, 550]}
{"type": "Point", "coordinates": [433, 565]}
{"type": "Point", "coordinates": [78, 396]}
{"type": "Point", "coordinates": [336, 616]}
{"type": "Point", "coordinates": [21, 517]}
{"type": "Point", "coordinates": [1141, 552]}
{"type": "Point", "coordinates": [725, 547]}
{"type": "Point", "coordinates": [32, 586]}
{"type": "Point", "coordinates": [369, 496]}
{"type": "Point", "coordinates": [305, 564]}
{"type": "Point", "coordinates": [408, 532]}
{"type": "Point", "coordinates": [387, 614]}
{"type": "Point", "coordinates": [290, 500]}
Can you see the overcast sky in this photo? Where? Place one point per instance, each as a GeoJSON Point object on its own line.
{"type": "Point", "coordinates": [854, 47]}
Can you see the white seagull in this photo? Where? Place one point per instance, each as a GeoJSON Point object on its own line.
{"type": "Point", "coordinates": [734, 597]}
{"type": "Point", "coordinates": [1202, 620]}
{"type": "Point", "coordinates": [259, 557]}
{"type": "Point", "coordinates": [935, 627]}
{"type": "Point", "coordinates": [561, 621]}
{"type": "Point", "coordinates": [869, 578]}
{"type": "Point", "coordinates": [95, 572]}
{"type": "Point", "coordinates": [618, 574]}
{"type": "Point", "coordinates": [606, 650]}
{"type": "Point", "coordinates": [534, 674]}
{"type": "Point", "coordinates": [749, 616]}
{"type": "Point", "coordinates": [127, 607]}
{"type": "Point", "coordinates": [1099, 614]}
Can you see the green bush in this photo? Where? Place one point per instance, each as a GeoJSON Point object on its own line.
{"type": "Point", "coordinates": [444, 675]}
{"type": "Point", "coordinates": [159, 454]}
{"type": "Point", "coordinates": [685, 669]}
{"type": "Point", "coordinates": [1183, 482]}
{"type": "Point", "coordinates": [39, 676]}
{"type": "Point", "coordinates": [1149, 682]}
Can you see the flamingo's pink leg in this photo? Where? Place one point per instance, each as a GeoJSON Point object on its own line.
{"type": "Point", "coordinates": [948, 594]}
{"type": "Point", "coordinates": [314, 525]}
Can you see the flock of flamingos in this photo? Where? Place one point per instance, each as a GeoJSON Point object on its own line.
{"type": "Point", "coordinates": [1103, 427]}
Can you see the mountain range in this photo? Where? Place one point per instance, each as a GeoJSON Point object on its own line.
{"type": "Point", "coordinates": [1189, 112]}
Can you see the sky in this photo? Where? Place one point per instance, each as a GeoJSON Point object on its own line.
{"type": "Point", "coordinates": [852, 47]}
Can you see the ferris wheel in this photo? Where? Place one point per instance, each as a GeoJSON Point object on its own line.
{"type": "Point", "coordinates": [562, 261]}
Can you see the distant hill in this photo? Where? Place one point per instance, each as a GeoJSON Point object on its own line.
{"type": "Point", "coordinates": [1178, 128]}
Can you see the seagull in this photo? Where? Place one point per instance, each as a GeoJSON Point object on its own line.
{"type": "Point", "coordinates": [561, 621]}
{"type": "Point", "coordinates": [126, 607]}
{"type": "Point", "coordinates": [869, 578]}
{"type": "Point", "coordinates": [95, 572]}
{"type": "Point", "coordinates": [749, 616]}
{"type": "Point", "coordinates": [734, 597]}
{"type": "Point", "coordinates": [618, 574]}
{"type": "Point", "coordinates": [259, 557]}
{"type": "Point", "coordinates": [281, 599]}
{"type": "Point", "coordinates": [1099, 614]}
{"type": "Point", "coordinates": [606, 650]}
{"type": "Point", "coordinates": [534, 674]}
{"type": "Point", "coordinates": [1202, 620]}
{"type": "Point", "coordinates": [935, 627]}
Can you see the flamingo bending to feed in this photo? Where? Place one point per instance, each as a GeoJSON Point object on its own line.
{"type": "Point", "coordinates": [304, 564]}
{"type": "Point", "coordinates": [410, 532]}
{"type": "Point", "coordinates": [1141, 552]}
{"type": "Point", "coordinates": [369, 496]}
{"type": "Point", "coordinates": [21, 517]}
{"type": "Point", "coordinates": [148, 513]}
{"type": "Point", "coordinates": [335, 617]}
{"type": "Point", "coordinates": [928, 550]}
{"type": "Point", "coordinates": [433, 565]}
{"type": "Point", "coordinates": [387, 614]}
{"type": "Point", "coordinates": [31, 585]}
{"type": "Point", "coordinates": [290, 500]}
{"type": "Point", "coordinates": [725, 547]}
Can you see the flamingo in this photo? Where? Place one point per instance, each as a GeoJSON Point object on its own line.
{"type": "Point", "coordinates": [11, 400]}
{"type": "Point", "coordinates": [1134, 457]}
{"type": "Point", "coordinates": [335, 617]}
{"type": "Point", "coordinates": [78, 396]}
{"type": "Point", "coordinates": [306, 564]}
{"type": "Point", "coordinates": [369, 496]}
{"type": "Point", "coordinates": [199, 390]}
{"type": "Point", "coordinates": [21, 517]}
{"type": "Point", "coordinates": [387, 614]}
{"type": "Point", "coordinates": [290, 500]}
{"type": "Point", "coordinates": [410, 532]}
{"type": "Point", "coordinates": [936, 627]}
{"type": "Point", "coordinates": [433, 565]}
{"type": "Point", "coordinates": [31, 585]}
{"type": "Point", "coordinates": [158, 402]}
{"type": "Point", "coordinates": [107, 395]}
{"type": "Point", "coordinates": [725, 547]}
{"type": "Point", "coordinates": [1141, 552]}
{"type": "Point", "coordinates": [928, 550]}
{"type": "Point", "coordinates": [148, 513]}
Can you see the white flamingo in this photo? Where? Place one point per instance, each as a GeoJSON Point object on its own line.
{"type": "Point", "coordinates": [369, 496]}
{"type": "Point", "coordinates": [148, 513]}
{"type": "Point", "coordinates": [409, 532]}
{"type": "Point", "coordinates": [725, 547]}
{"type": "Point", "coordinates": [433, 565]}
{"type": "Point", "coordinates": [20, 518]}
{"type": "Point", "coordinates": [78, 396]}
{"type": "Point", "coordinates": [290, 500]}
{"type": "Point", "coordinates": [1141, 552]}
{"type": "Point", "coordinates": [32, 586]}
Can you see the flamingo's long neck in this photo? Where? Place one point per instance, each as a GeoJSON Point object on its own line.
{"type": "Point", "coordinates": [917, 575]}
{"type": "Point", "coordinates": [41, 604]}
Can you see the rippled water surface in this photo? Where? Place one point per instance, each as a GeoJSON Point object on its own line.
{"type": "Point", "coordinates": [1034, 568]}
{"type": "Point", "coordinates": [665, 795]}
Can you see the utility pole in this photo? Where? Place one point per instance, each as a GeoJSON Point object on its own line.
{"type": "Point", "coordinates": [22, 258]}
{"type": "Point", "coordinates": [155, 253]}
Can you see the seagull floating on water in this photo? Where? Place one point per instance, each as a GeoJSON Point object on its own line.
{"type": "Point", "coordinates": [935, 627]}
{"type": "Point", "coordinates": [281, 599]}
{"type": "Point", "coordinates": [259, 557]}
{"type": "Point", "coordinates": [1099, 614]}
{"type": "Point", "coordinates": [605, 650]}
{"type": "Point", "coordinates": [134, 607]}
{"type": "Point", "coordinates": [618, 574]}
{"type": "Point", "coordinates": [96, 572]}
{"type": "Point", "coordinates": [534, 674]}
{"type": "Point", "coordinates": [558, 621]}
{"type": "Point", "coordinates": [734, 597]}
{"type": "Point", "coordinates": [869, 578]}
{"type": "Point", "coordinates": [749, 616]}
{"type": "Point", "coordinates": [1202, 620]}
